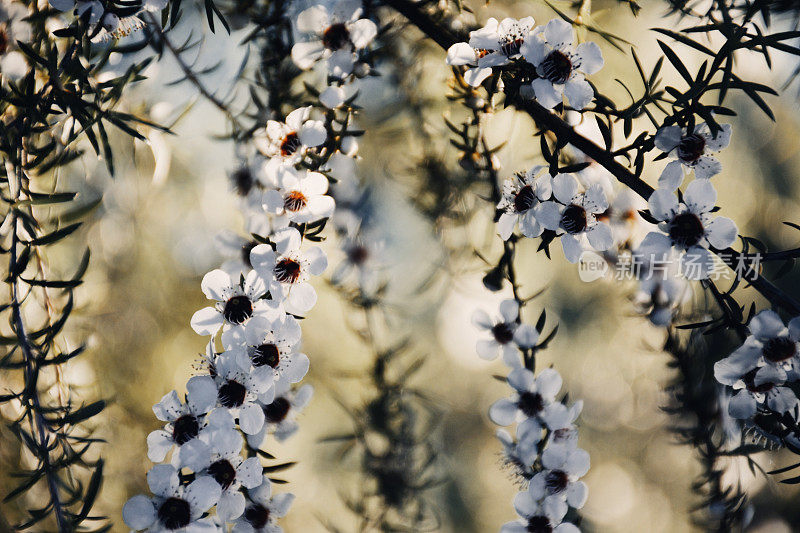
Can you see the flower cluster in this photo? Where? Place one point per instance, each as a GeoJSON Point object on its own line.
{"type": "Point", "coordinates": [762, 367]}
{"type": "Point", "coordinates": [249, 390]}
{"type": "Point", "coordinates": [557, 65]}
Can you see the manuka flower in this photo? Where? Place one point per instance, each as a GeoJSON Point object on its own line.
{"type": "Point", "coordinates": [533, 398]}
{"type": "Point", "coordinates": [363, 260]}
{"type": "Point", "coordinates": [174, 507]}
{"type": "Point", "coordinates": [560, 422]}
{"type": "Point", "coordinates": [238, 391]}
{"type": "Point", "coordinates": [263, 510]}
{"type": "Point", "coordinates": [659, 298]}
{"type": "Point", "coordinates": [688, 227]}
{"type": "Point", "coordinates": [287, 142]}
{"type": "Point", "coordinates": [691, 149]}
{"type": "Point", "coordinates": [757, 387]}
{"type": "Point", "coordinates": [287, 269]}
{"type": "Point", "coordinates": [772, 350]}
{"type": "Point", "coordinates": [563, 467]}
{"type": "Point", "coordinates": [561, 66]}
{"type": "Point", "coordinates": [280, 413]}
{"type": "Point", "coordinates": [573, 216]}
{"type": "Point", "coordinates": [185, 421]}
{"type": "Point", "coordinates": [228, 468]}
{"type": "Point", "coordinates": [507, 335]}
{"type": "Point", "coordinates": [301, 196]}
{"type": "Point", "coordinates": [236, 302]}
{"type": "Point", "coordinates": [518, 454]}
{"type": "Point", "coordinates": [493, 45]}
{"type": "Point", "coordinates": [273, 344]}
{"type": "Point", "coordinates": [521, 194]}
{"type": "Point", "coordinates": [336, 34]}
{"type": "Point", "coordinates": [545, 516]}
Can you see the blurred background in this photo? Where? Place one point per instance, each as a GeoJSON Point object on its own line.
{"type": "Point", "coordinates": [153, 237]}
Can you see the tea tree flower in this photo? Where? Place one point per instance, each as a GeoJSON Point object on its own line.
{"type": "Point", "coordinates": [691, 149]}
{"type": "Point", "coordinates": [280, 414]}
{"type": "Point", "coordinates": [334, 33]}
{"type": "Point", "coordinates": [521, 194]}
{"type": "Point", "coordinates": [231, 471]}
{"type": "Point", "coordinates": [561, 66]}
{"type": "Point", "coordinates": [533, 398]}
{"type": "Point", "coordinates": [273, 344]}
{"type": "Point", "coordinates": [506, 333]}
{"type": "Point", "coordinates": [238, 390]}
{"type": "Point", "coordinates": [263, 511]}
{"type": "Point", "coordinates": [287, 142]}
{"type": "Point", "coordinates": [494, 45]}
{"type": "Point", "coordinates": [573, 216]}
{"type": "Point", "coordinates": [756, 388]}
{"type": "Point", "coordinates": [236, 301]}
{"type": "Point", "coordinates": [301, 196]}
{"type": "Point", "coordinates": [688, 227]}
{"type": "Point", "coordinates": [563, 467]}
{"type": "Point", "coordinates": [545, 515]}
{"type": "Point", "coordinates": [287, 269]}
{"type": "Point", "coordinates": [173, 507]}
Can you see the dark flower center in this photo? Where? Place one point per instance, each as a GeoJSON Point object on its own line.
{"type": "Point", "coordinates": [511, 46]}
{"type": "Point", "coordinates": [357, 254]}
{"type": "Point", "coordinates": [243, 181]}
{"type": "Point", "coordinates": [266, 354]}
{"type": "Point", "coordinates": [238, 309]}
{"type": "Point", "coordinates": [287, 271]}
{"type": "Point", "coordinates": [223, 473]}
{"type": "Point", "coordinates": [174, 513]}
{"type": "Point", "coordinates": [530, 403]}
{"type": "Point", "coordinates": [556, 481]}
{"type": "Point", "coordinates": [573, 220]}
{"type": "Point", "coordinates": [691, 147]}
{"type": "Point", "coordinates": [524, 199]}
{"type": "Point", "coordinates": [277, 410]}
{"type": "Point", "coordinates": [185, 429]}
{"type": "Point", "coordinates": [294, 201]}
{"type": "Point", "coordinates": [686, 230]}
{"type": "Point", "coordinates": [257, 515]}
{"type": "Point", "coordinates": [780, 349]}
{"type": "Point", "coordinates": [231, 394]}
{"type": "Point", "coordinates": [503, 332]}
{"type": "Point", "coordinates": [750, 383]}
{"type": "Point", "coordinates": [290, 144]}
{"type": "Point", "coordinates": [539, 524]}
{"type": "Point", "coordinates": [336, 36]}
{"type": "Point", "coordinates": [556, 67]}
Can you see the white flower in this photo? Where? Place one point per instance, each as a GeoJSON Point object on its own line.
{"type": "Point", "coordinates": [507, 334]}
{"type": "Point", "coordinates": [287, 142]}
{"type": "Point", "coordinates": [521, 194]}
{"type": "Point", "coordinates": [772, 349]}
{"type": "Point", "coordinates": [236, 302]}
{"type": "Point", "coordinates": [691, 150]}
{"type": "Point", "coordinates": [231, 471]}
{"type": "Point", "coordinates": [273, 344]}
{"type": "Point", "coordinates": [575, 217]}
{"type": "Point", "coordinates": [185, 421]}
{"type": "Point", "coordinates": [561, 66]}
{"type": "Point", "coordinates": [281, 412]}
{"type": "Point", "coordinates": [262, 512]}
{"type": "Point", "coordinates": [332, 96]}
{"type": "Point", "coordinates": [561, 423]}
{"type": "Point", "coordinates": [688, 227]}
{"type": "Point", "coordinates": [533, 398]}
{"type": "Point", "coordinates": [519, 455]}
{"type": "Point", "coordinates": [493, 45]}
{"type": "Point", "coordinates": [627, 226]}
{"type": "Point", "coordinates": [301, 197]}
{"type": "Point", "coordinates": [335, 34]}
{"type": "Point", "coordinates": [660, 297]}
{"type": "Point", "coordinates": [363, 259]}
{"type": "Point", "coordinates": [238, 390]}
{"type": "Point", "coordinates": [174, 507]}
{"type": "Point", "coordinates": [539, 516]}
{"type": "Point", "coordinates": [287, 269]}
{"type": "Point", "coordinates": [563, 467]}
{"type": "Point", "coordinates": [756, 387]}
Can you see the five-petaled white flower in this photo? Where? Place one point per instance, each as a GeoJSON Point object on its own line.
{"type": "Point", "coordinates": [301, 196]}
{"type": "Point", "coordinates": [335, 34]}
{"type": "Point", "coordinates": [756, 387]}
{"type": "Point", "coordinates": [174, 507]}
{"type": "Point", "coordinates": [507, 335]}
{"type": "Point", "coordinates": [691, 149]}
{"type": "Point", "coordinates": [493, 45]}
{"type": "Point", "coordinates": [287, 269]}
{"type": "Point", "coordinates": [688, 227]}
{"type": "Point", "coordinates": [561, 66]}
{"type": "Point", "coordinates": [273, 344]}
{"type": "Point", "coordinates": [227, 467]}
{"type": "Point", "coordinates": [545, 515]}
{"type": "Point", "coordinates": [263, 510]}
{"type": "Point", "coordinates": [287, 142]}
{"type": "Point", "coordinates": [563, 467]}
{"type": "Point", "coordinates": [280, 414]}
{"type": "Point", "coordinates": [521, 194]}
{"type": "Point", "coordinates": [573, 216]}
{"type": "Point", "coordinates": [238, 390]}
{"type": "Point", "coordinates": [534, 398]}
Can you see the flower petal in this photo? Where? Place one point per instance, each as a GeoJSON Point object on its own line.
{"type": "Point", "coordinates": [721, 232]}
